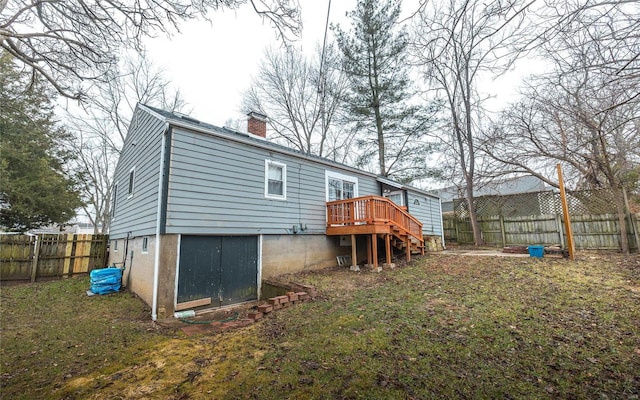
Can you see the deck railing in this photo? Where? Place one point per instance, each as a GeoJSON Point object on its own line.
{"type": "Point", "coordinates": [372, 210]}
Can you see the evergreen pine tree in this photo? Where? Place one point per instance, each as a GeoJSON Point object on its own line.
{"type": "Point", "coordinates": [382, 101]}
{"type": "Point", "coordinates": [34, 189]}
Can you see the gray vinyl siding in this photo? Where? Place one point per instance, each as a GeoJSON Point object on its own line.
{"type": "Point", "coordinates": [217, 186]}
{"type": "Point", "coordinates": [141, 150]}
{"type": "Point", "coordinates": [427, 212]}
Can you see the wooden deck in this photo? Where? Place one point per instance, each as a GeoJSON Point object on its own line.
{"type": "Point", "coordinates": [376, 217]}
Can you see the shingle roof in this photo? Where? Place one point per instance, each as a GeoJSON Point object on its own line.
{"type": "Point", "coordinates": [521, 184]}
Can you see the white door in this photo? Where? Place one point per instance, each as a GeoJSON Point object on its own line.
{"type": "Point", "coordinates": [396, 196]}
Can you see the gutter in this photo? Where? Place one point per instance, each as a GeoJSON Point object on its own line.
{"type": "Point", "coordinates": [156, 260]}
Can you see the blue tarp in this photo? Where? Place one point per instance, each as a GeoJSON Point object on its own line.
{"type": "Point", "coordinates": [106, 280]}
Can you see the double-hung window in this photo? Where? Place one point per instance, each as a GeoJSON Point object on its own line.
{"type": "Point", "coordinates": [275, 180]}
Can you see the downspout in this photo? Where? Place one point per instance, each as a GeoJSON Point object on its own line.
{"type": "Point", "coordinates": [156, 261]}
{"type": "Point", "coordinates": [444, 246]}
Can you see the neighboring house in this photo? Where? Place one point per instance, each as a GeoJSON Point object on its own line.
{"type": "Point", "coordinates": [522, 184]}
{"type": "Point", "coordinates": [202, 214]}
{"type": "Point", "coordinates": [85, 228]}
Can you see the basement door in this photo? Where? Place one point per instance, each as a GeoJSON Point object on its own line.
{"type": "Point", "coordinates": [222, 268]}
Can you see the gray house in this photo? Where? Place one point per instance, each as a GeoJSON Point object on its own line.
{"type": "Point", "coordinates": [202, 214]}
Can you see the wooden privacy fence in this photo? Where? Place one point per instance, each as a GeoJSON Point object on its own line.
{"type": "Point", "coordinates": [590, 232]}
{"type": "Point", "coordinates": [26, 257]}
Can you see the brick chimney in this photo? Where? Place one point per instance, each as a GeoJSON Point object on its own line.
{"type": "Point", "coordinates": [257, 124]}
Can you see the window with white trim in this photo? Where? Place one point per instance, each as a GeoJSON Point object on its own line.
{"type": "Point", "coordinates": [340, 186]}
{"type": "Point", "coordinates": [132, 177]}
{"type": "Point", "coordinates": [145, 245]}
{"type": "Point", "coordinates": [115, 246]}
{"type": "Point", "coordinates": [275, 180]}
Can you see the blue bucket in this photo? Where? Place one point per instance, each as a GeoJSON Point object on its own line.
{"type": "Point", "coordinates": [536, 251]}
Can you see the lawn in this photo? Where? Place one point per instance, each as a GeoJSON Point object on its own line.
{"type": "Point", "coordinates": [441, 327]}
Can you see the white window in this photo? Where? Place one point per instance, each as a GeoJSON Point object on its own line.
{"type": "Point", "coordinates": [340, 186]}
{"type": "Point", "coordinates": [145, 245]}
{"type": "Point", "coordinates": [132, 177]}
{"type": "Point", "coordinates": [115, 246]}
{"type": "Point", "coordinates": [275, 180]}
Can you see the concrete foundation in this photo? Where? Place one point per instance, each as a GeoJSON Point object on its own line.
{"type": "Point", "coordinates": [281, 254]}
{"type": "Point", "coordinates": [139, 264]}
{"type": "Point", "coordinates": [138, 273]}
{"type": "Point", "coordinates": [167, 275]}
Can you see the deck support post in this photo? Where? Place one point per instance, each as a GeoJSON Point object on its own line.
{"type": "Point", "coordinates": [369, 256]}
{"type": "Point", "coordinates": [354, 254]}
{"type": "Point", "coordinates": [408, 247]}
{"type": "Point", "coordinates": [374, 244]}
{"type": "Point", "coordinates": [387, 247]}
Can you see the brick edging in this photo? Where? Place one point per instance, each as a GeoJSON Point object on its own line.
{"type": "Point", "coordinates": [276, 303]}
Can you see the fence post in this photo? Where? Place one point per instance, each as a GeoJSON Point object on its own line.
{"type": "Point", "coordinates": [630, 217]}
{"type": "Point", "coordinates": [565, 212]}
{"type": "Point", "coordinates": [455, 225]}
{"type": "Point", "coordinates": [502, 231]}
{"type": "Point", "coordinates": [634, 221]}
{"type": "Point", "coordinates": [68, 246]}
{"type": "Point", "coordinates": [36, 256]}
{"type": "Point", "coordinates": [74, 255]}
{"type": "Point", "coordinates": [559, 228]}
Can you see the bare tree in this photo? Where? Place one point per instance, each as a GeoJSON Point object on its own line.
{"type": "Point", "coordinates": [71, 42]}
{"type": "Point", "coordinates": [94, 169]}
{"type": "Point", "coordinates": [585, 113]}
{"type": "Point", "coordinates": [459, 42]}
{"type": "Point", "coordinates": [602, 24]}
{"type": "Point", "coordinates": [301, 96]}
{"type": "Point", "coordinates": [101, 127]}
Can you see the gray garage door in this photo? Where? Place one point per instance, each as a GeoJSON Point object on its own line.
{"type": "Point", "coordinates": [224, 268]}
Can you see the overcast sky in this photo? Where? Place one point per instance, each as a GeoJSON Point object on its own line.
{"type": "Point", "coordinates": [212, 63]}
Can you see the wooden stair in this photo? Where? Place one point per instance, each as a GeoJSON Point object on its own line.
{"type": "Point", "coordinates": [379, 217]}
{"type": "Point", "coordinates": [400, 242]}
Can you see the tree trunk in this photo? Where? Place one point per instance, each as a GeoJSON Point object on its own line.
{"type": "Point", "coordinates": [473, 217]}
{"type": "Point", "coordinates": [383, 167]}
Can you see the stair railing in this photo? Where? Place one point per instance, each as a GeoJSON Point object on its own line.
{"type": "Point", "coordinates": [373, 210]}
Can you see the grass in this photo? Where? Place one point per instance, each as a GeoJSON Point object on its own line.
{"type": "Point", "coordinates": [442, 327]}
